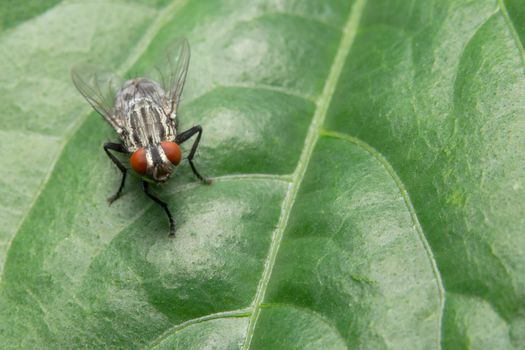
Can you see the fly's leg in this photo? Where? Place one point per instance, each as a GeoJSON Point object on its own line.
{"type": "Point", "coordinates": [185, 136]}
{"type": "Point", "coordinates": [117, 147]}
{"type": "Point", "coordinates": [163, 205]}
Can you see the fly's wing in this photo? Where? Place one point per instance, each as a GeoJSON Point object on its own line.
{"type": "Point", "coordinates": [172, 69]}
{"type": "Point", "coordinates": [99, 88]}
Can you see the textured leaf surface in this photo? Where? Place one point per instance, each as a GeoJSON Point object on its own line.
{"type": "Point", "coordinates": [368, 166]}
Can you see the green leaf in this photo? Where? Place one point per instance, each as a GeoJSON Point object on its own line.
{"type": "Point", "coordinates": [368, 167]}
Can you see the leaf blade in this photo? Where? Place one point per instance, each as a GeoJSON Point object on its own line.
{"type": "Point", "coordinates": [277, 60]}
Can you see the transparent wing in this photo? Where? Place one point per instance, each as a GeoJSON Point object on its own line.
{"type": "Point", "coordinates": [99, 88]}
{"type": "Point", "coordinates": [172, 68]}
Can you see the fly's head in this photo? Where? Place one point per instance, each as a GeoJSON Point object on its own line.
{"type": "Point", "coordinates": [157, 161]}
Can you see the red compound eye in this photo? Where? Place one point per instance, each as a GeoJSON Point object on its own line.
{"type": "Point", "coordinates": [172, 151]}
{"type": "Point", "coordinates": [139, 162]}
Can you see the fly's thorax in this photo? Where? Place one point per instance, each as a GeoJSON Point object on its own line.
{"type": "Point", "coordinates": [143, 114]}
{"type": "Point", "coordinates": [156, 161]}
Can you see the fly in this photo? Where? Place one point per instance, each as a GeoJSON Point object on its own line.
{"type": "Point", "coordinates": [143, 112]}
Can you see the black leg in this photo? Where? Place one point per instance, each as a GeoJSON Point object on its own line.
{"type": "Point", "coordinates": [185, 136]}
{"type": "Point", "coordinates": [163, 205]}
{"type": "Point", "coordinates": [117, 147]}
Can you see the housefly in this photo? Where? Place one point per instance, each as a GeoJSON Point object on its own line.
{"type": "Point", "coordinates": [143, 112]}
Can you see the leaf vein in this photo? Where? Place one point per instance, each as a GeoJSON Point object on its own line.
{"type": "Point", "coordinates": [264, 87]}
{"type": "Point", "coordinates": [323, 103]}
{"type": "Point", "coordinates": [301, 17]}
{"type": "Point", "coordinates": [512, 29]}
{"type": "Point", "coordinates": [186, 187]}
{"type": "Point", "coordinates": [413, 215]}
{"type": "Point", "coordinates": [311, 312]}
{"type": "Point", "coordinates": [173, 330]}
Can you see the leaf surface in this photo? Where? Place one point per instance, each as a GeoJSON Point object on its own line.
{"type": "Point", "coordinates": [368, 168]}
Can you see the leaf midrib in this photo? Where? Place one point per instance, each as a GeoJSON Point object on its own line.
{"type": "Point", "coordinates": [323, 103]}
{"type": "Point", "coordinates": [138, 50]}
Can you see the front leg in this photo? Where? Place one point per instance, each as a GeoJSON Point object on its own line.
{"type": "Point", "coordinates": [117, 147]}
{"type": "Point", "coordinates": [163, 205]}
{"type": "Point", "coordinates": [185, 136]}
